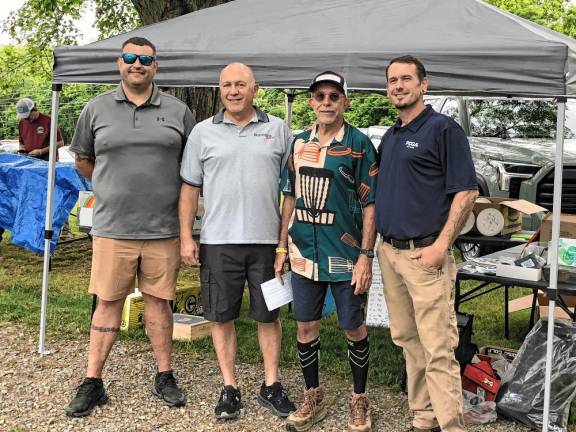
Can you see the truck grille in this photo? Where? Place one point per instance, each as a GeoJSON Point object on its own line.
{"type": "Point", "coordinates": [514, 189]}
{"type": "Point", "coordinates": [545, 192]}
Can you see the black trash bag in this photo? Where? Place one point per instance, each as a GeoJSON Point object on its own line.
{"type": "Point", "coordinates": [522, 397]}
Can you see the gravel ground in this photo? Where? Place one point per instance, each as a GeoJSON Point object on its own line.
{"type": "Point", "coordinates": [34, 391]}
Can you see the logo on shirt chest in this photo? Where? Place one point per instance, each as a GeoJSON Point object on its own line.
{"type": "Point", "coordinates": [264, 135]}
{"type": "Point", "coordinates": [411, 144]}
{"type": "Point", "coordinates": [40, 130]}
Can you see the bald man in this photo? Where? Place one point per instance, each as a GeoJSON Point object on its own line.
{"type": "Point", "coordinates": [236, 157]}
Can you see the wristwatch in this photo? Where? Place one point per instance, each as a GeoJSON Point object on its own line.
{"type": "Point", "coordinates": [368, 252]}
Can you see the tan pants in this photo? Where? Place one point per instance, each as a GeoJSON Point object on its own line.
{"type": "Point", "coordinates": [423, 323]}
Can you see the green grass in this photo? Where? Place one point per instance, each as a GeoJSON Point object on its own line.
{"type": "Point", "coordinates": [69, 308]}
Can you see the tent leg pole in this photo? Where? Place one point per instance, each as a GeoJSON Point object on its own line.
{"type": "Point", "coordinates": [289, 100]}
{"type": "Point", "coordinates": [48, 232]}
{"type": "Point", "coordinates": [553, 254]}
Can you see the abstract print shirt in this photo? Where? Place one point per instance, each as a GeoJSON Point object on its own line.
{"type": "Point", "coordinates": [331, 183]}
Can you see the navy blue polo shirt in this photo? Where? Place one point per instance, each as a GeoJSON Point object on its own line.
{"type": "Point", "coordinates": [422, 165]}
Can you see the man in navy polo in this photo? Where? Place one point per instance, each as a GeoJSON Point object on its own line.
{"type": "Point", "coordinates": [426, 189]}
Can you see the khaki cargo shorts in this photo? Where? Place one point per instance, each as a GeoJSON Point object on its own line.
{"type": "Point", "coordinates": [117, 263]}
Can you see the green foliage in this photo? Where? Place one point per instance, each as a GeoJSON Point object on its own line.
{"type": "Point", "coordinates": [29, 75]}
{"type": "Point", "coordinates": [558, 15]}
{"type": "Point", "coordinates": [45, 23]}
{"type": "Point", "coordinates": [511, 118]}
{"type": "Point", "coordinates": [366, 108]}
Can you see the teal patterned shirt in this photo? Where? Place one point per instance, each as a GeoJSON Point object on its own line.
{"type": "Point", "coordinates": [331, 183]}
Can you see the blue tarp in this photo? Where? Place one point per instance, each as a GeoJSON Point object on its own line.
{"type": "Point", "coordinates": [23, 195]}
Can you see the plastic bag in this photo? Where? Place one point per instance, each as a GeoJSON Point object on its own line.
{"type": "Point", "coordinates": [522, 397]}
{"type": "Point", "coordinates": [477, 410]}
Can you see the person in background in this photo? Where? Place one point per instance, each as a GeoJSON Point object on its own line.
{"type": "Point", "coordinates": [34, 130]}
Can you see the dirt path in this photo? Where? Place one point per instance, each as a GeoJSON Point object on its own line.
{"type": "Point", "coordinates": [34, 391]}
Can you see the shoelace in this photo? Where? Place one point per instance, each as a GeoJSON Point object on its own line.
{"type": "Point", "coordinates": [279, 393]}
{"type": "Point", "coordinates": [230, 394]}
{"type": "Point", "coordinates": [86, 387]}
{"type": "Point", "coordinates": [359, 408]}
{"type": "Point", "coordinates": [309, 404]}
{"type": "Point", "coordinates": [167, 380]}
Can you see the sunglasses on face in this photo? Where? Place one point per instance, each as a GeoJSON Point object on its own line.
{"type": "Point", "coordinates": [320, 96]}
{"type": "Point", "coordinates": [145, 60]}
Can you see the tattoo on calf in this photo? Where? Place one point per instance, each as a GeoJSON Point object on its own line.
{"type": "Point", "coordinates": [105, 329]}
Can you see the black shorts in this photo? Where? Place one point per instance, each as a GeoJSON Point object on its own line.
{"type": "Point", "coordinates": [224, 271]}
{"type": "Point", "coordinates": [309, 299]}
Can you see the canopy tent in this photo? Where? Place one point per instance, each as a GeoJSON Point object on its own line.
{"type": "Point", "coordinates": [468, 47]}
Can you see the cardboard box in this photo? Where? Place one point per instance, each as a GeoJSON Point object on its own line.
{"type": "Point", "coordinates": [133, 312]}
{"type": "Point", "coordinates": [495, 352]}
{"type": "Point", "coordinates": [559, 313]}
{"type": "Point", "coordinates": [518, 272]}
{"type": "Point", "coordinates": [188, 300]}
{"type": "Point", "coordinates": [567, 227]}
{"type": "Point", "coordinates": [190, 327]}
{"type": "Point", "coordinates": [512, 211]}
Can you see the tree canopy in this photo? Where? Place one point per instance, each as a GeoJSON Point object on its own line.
{"type": "Point", "coordinates": [39, 25]}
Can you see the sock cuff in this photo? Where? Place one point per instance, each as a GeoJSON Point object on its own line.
{"type": "Point", "coordinates": [356, 345]}
{"type": "Point", "coordinates": [312, 345]}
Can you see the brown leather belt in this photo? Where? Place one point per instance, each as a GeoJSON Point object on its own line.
{"type": "Point", "coordinates": [407, 244]}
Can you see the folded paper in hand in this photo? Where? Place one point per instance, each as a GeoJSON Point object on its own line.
{"type": "Point", "coordinates": [276, 294]}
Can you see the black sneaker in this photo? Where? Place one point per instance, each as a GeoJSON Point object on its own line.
{"type": "Point", "coordinates": [90, 394]}
{"type": "Point", "coordinates": [165, 388]}
{"type": "Point", "coordinates": [275, 398]}
{"type": "Point", "coordinates": [229, 404]}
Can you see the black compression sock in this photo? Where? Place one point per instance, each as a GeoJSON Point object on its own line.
{"type": "Point", "coordinates": [358, 356]}
{"type": "Point", "coordinates": [308, 358]}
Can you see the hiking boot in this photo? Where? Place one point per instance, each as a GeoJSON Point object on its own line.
{"type": "Point", "coordinates": [360, 420]}
{"type": "Point", "coordinates": [310, 411]}
{"type": "Point", "coordinates": [275, 398]}
{"type": "Point", "coordinates": [90, 394]}
{"type": "Point", "coordinates": [165, 388]}
{"type": "Point", "coordinates": [229, 404]}
{"type": "Point", "coordinates": [415, 429]}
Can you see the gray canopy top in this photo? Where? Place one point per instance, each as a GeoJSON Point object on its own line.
{"type": "Point", "coordinates": [467, 46]}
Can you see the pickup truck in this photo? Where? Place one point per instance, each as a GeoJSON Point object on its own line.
{"type": "Point", "coordinates": [513, 146]}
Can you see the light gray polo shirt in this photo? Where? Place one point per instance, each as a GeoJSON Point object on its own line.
{"type": "Point", "coordinates": [239, 170]}
{"type": "Point", "coordinates": [136, 178]}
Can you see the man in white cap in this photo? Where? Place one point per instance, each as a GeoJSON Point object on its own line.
{"type": "Point", "coordinates": [34, 130]}
{"type": "Point", "coordinates": [328, 230]}
{"type": "Point", "coordinates": [34, 136]}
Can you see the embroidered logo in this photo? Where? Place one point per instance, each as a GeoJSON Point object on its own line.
{"type": "Point", "coordinates": [159, 119]}
{"type": "Point", "coordinates": [412, 144]}
{"type": "Point", "coordinates": [265, 135]}
{"type": "Point", "coordinates": [40, 130]}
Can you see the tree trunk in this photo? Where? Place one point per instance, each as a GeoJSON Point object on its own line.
{"type": "Point", "coordinates": [204, 102]}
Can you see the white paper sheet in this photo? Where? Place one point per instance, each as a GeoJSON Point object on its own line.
{"type": "Point", "coordinates": [276, 294]}
{"type": "Point", "coordinates": [377, 313]}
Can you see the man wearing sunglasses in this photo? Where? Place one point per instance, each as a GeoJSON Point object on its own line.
{"type": "Point", "coordinates": [128, 143]}
{"type": "Point", "coordinates": [426, 190]}
{"type": "Point", "coordinates": [328, 186]}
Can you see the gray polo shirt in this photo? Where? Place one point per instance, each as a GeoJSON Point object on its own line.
{"type": "Point", "coordinates": [138, 151]}
{"type": "Point", "coordinates": [239, 170]}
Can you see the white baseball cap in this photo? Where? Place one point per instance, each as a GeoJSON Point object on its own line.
{"type": "Point", "coordinates": [23, 108]}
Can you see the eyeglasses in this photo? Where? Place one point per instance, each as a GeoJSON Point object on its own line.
{"type": "Point", "coordinates": [320, 96]}
{"type": "Point", "coordinates": [145, 60]}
